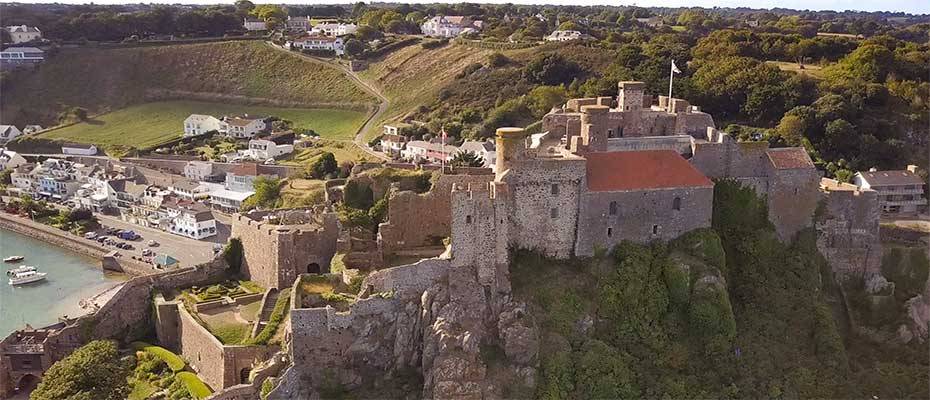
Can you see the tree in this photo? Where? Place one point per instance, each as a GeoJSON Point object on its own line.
{"type": "Point", "coordinates": [496, 60]}
{"type": "Point", "coordinates": [791, 129]}
{"type": "Point", "coordinates": [268, 12]}
{"type": "Point", "coordinates": [802, 49]}
{"type": "Point", "coordinates": [267, 193]}
{"type": "Point", "coordinates": [466, 159]}
{"type": "Point", "coordinates": [94, 371]}
{"type": "Point", "coordinates": [324, 165]}
{"type": "Point", "coordinates": [550, 69]}
{"type": "Point", "coordinates": [244, 6]}
{"type": "Point", "coordinates": [367, 33]}
{"type": "Point", "coordinates": [354, 47]}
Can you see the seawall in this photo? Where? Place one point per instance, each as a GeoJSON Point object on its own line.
{"type": "Point", "coordinates": [68, 241]}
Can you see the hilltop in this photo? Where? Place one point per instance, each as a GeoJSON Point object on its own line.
{"type": "Point", "coordinates": [246, 72]}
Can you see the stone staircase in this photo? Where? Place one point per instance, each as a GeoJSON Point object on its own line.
{"type": "Point", "coordinates": [268, 302]}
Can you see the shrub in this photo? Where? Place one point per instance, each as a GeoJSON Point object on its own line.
{"type": "Point", "coordinates": [277, 316]}
{"type": "Point", "coordinates": [358, 196]}
{"type": "Point", "coordinates": [434, 44]}
{"type": "Point", "coordinates": [602, 372]}
{"type": "Point", "coordinates": [232, 254]}
{"type": "Point", "coordinates": [174, 362]}
{"type": "Point", "coordinates": [496, 60]}
{"type": "Point", "coordinates": [93, 371]}
{"type": "Point", "coordinates": [194, 385]}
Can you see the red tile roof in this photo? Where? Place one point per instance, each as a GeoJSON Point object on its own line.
{"type": "Point", "coordinates": [790, 158]}
{"type": "Point", "coordinates": [638, 170]}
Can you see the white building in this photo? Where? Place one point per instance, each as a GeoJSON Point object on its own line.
{"type": "Point", "coordinates": [21, 56]}
{"type": "Point", "coordinates": [79, 149]}
{"type": "Point", "coordinates": [10, 159]}
{"type": "Point", "coordinates": [254, 24]}
{"type": "Point", "coordinates": [563, 36]}
{"type": "Point", "coordinates": [23, 33]}
{"type": "Point", "coordinates": [262, 149]}
{"type": "Point", "coordinates": [8, 133]}
{"type": "Point", "coordinates": [199, 124]}
{"type": "Point", "coordinates": [899, 192]}
{"type": "Point", "coordinates": [450, 26]}
{"type": "Point", "coordinates": [198, 170]}
{"type": "Point", "coordinates": [334, 29]}
{"type": "Point", "coordinates": [392, 144]}
{"type": "Point", "coordinates": [486, 150]}
{"type": "Point", "coordinates": [189, 190]}
{"type": "Point", "coordinates": [318, 42]}
{"type": "Point", "coordinates": [243, 128]}
{"type": "Point", "coordinates": [419, 150]}
{"type": "Point", "coordinates": [195, 221]}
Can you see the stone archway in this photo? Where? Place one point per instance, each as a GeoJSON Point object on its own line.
{"type": "Point", "coordinates": [244, 375]}
{"type": "Point", "coordinates": [314, 268]}
{"type": "Point", "coordinates": [27, 384]}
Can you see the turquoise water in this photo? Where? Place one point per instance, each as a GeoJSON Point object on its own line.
{"type": "Point", "coordinates": [71, 277]}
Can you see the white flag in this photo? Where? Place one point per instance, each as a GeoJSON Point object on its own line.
{"type": "Point", "coordinates": [675, 68]}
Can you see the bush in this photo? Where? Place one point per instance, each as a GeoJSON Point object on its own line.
{"type": "Point", "coordinates": [194, 385]}
{"type": "Point", "coordinates": [175, 362]}
{"type": "Point", "coordinates": [434, 44]}
{"type": "Point", "coordinates": [277, 316]}
{"type": "Point", "coordinates": [358, 196]}
{"type": "Point", "coordinates": [93, 371]}
{"type": "Point", "coordinates": [233, 254]}
{"type": "Point", "coordinates": [497, 60]}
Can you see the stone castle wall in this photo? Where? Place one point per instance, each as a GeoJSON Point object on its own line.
{"type": "Point", "coordinates": [416, 220]}
{"type": "Point", "coordinates": [220, 366]}
{"type": "Point", "coordinates": [848, 230]}
{"type": "Point", "coordinates": [638, 212]}
{"type": "Point", "coordinates": [792, 197]}
{"type": "Point", "coordinates": [274, 255]}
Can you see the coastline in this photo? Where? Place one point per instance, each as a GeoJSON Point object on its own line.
{"type": "Point", "coordinates": [68, 241]}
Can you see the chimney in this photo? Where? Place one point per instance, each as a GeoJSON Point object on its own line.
{"type": "Point", "coordinates": [912, 168]}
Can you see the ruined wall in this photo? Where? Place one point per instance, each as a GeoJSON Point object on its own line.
{"type": "Point", "coordinates": [562, 123]}
{"type": "Point", "coordinates": [729, 159]}
{"type": "Point", "coordinates": [416, 220]}
{"type": "Point", "coordinates": [274, 255]}
{"type": "Point", "coordinates": [167, 322]}
{"type": "Point", "coordinates": [219, 366]}
{"type": "Point", "coordinates": [480, 231]}
{"type": "Point", "coordinates": [638, 212]}
{"type": "Point", "coordinates": [407, 281]}
{"type": "Point", "coordinates": [848, 230]}
{"type": "Point", "coordinates": [792, 198]}
{"type": "Point", "coordinates": [678, 143]}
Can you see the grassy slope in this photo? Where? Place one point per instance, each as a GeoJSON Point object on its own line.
{"type": "Point", "coordinates": [151, 124]}
{"type": "Point", "coordinates": [108, 79]}
{"type": "Point", "coordinates": [811, 70]}
{"type": "Point", "coordinates": [413, 76]}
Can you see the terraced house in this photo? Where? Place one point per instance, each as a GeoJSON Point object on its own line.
{"type": "Point", "coordinates": [899, 192]}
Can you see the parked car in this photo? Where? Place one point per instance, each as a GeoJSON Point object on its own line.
{"type": "Point", "coordinates": [90, 235]}
{"type": "Point", "coordinates": [128, 246]}
{"type": "Point", "coordinates": [128, 235]}
{"type": "Point", "coordinates": [147, 252]}
{"type": "Point", "coordinates": [153, 243]}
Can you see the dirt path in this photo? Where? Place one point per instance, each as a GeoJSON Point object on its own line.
{"type": "Point", "coordinates": [366, 86]}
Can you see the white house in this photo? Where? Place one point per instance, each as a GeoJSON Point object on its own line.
{"type": "Point", "coordinates": [254, 24]}
{"type": "Point", "coordinates": [21, 56]}
{"type": "Point", "coordinates": [419, 150]}
{"type": "Point", "coordinates": [198, 170]}
{"type": "Point", "coordinates": [486, 150]}
{"type": "Point", "coordinates": [189, 190]}
{"type": "Point", "coordinates": [195, 221]}
{"type": "Point", "coordinates": [899, 192]}
{"type": "Point", "coordinates": [563, 36]}
{"type": "Point", "coordinates": [23, 33]}
{"type": "Point", "coordinates": [333, 29]}
{"type": "Point", "coordinates": [10, 159]}
{"type": "Point", "coordinates": [199, 124]}
{"type": "Point", "coordinates": [243, 128]}
{"type": "Point", "coordinates": [8, 133]}
{"type": "Point", "coordinates": [318, 42]}
{"type": "Point", "coordinates": [415, 150]}
{"type": "Point", "coordinates": [262, 149]}
{"type": "Point", "coordinates": [450, 26]}
{"type": "Point", "coordinates": [392, 144]}
{"type": "Point", "coordinates": [78, 149]}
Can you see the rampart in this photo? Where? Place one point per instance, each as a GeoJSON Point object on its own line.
{"type": "Point", "coordinates": [418, 220]}
{"type": "Point", "coordinates": [848, 229]}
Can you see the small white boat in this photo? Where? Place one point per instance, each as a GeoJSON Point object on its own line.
{"type": "Point", "coordinates": [14, 258]}
{"type": "Point", "coordinates": [23, 278]}
{"type": "Point", "coordinates": [24, 268]}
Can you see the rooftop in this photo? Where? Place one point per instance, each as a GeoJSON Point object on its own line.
{"type": "Point", "coordinates": [245, 169]}
{"type": "Point", "coordinates": [638, 170]}
{"type": "Point", "coordinates": [891, 178]}
{"type": "Point", "coordinates": [22, 50]}
{"type": "Point", "coordinates": [790, 158]}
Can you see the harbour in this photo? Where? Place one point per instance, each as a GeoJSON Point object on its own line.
{"type": "Point", "coordinates": [71, 278]}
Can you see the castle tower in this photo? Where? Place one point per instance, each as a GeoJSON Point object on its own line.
{"type": "Point", "coordinates": [593, 127]}
{"type": "Point", "coordinates": [509, 147]}
{"type": "Point", "coordinates": [630, 95]}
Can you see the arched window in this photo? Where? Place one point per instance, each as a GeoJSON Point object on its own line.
{"type": "Point", "coordinates": [676, 204]}
{"type": "Point", "coordinates": [468, 219]}
{"type": "Point", "coordinates": [613, 208]}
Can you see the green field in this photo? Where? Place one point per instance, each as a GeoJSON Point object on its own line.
{"type": "Point", "coordinates": [811, 70]}
{"type": "Point", "coordinates": [148, 125]}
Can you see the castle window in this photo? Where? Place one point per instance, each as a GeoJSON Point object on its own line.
{"type": "Point", "coordinates": [655, 229]}
{"type": "Point", "coordinates": [621, 132]}
{"type": "Point", "coordinates": [613, 208]}
{"type": "Point", "coordinates": [610, 232]}
{"type": "Point", "coordinates": [610, 133]}
{"type": "Point", "coordinates": [555, 189]}
{"type": "Point", "coordinates": [468, 219]}
{"type": "Point", "coordinates": [676, 204]}
{"type": "Point", "coordinates": [795, 190]}
{"type": "Point", "coordinates": [553, 213]}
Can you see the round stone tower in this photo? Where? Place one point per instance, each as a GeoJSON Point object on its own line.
{"type": "Point", "coordinates": [509, 147]}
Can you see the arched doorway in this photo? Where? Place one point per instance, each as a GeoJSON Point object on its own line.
{"type": "Point", "coordinates": [313, 268]}
{"type": "Point", "coordinates": [244, 375]}
{"type": "Point", "coordinates": [27, 384]}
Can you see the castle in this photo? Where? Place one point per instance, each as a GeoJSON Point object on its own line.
{"type": "Point", "coordinates": [599, 175]}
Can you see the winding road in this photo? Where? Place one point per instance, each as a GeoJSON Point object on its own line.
{"type": "Point", "coordinates": [366, 86]}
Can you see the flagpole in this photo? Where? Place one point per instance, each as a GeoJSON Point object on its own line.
{"type": "Point", "coordinates": [671, 76]}
{"type": "Point", "coordinates": [442, 150]}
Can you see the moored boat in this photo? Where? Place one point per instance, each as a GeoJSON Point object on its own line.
{"type": "Point", "coordinates": [24, 268]}
{"type": "Point", "coordinates": [22, 278]}
{"type": "Point", "coordinates": [14, 258]}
